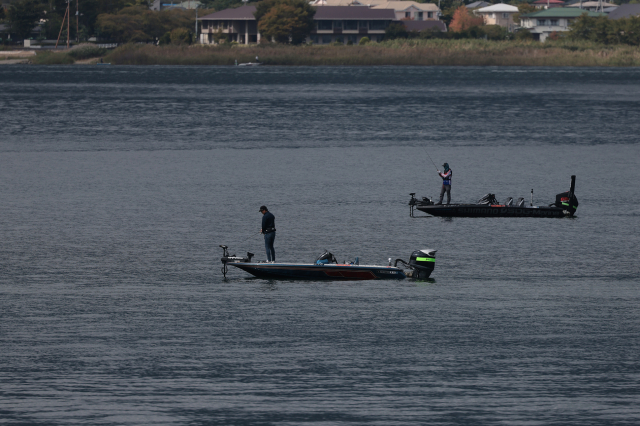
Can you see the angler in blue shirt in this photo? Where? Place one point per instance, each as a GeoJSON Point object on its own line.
{"type": "Point", "coordinates": [269, 231]}
{"type": "Point", "coordinates": [446, 183]}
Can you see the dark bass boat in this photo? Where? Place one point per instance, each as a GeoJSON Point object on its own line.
{"type": "Point", "coordinates": [565, 205]}
{"type": "Point", "coordinates": [326, 268]}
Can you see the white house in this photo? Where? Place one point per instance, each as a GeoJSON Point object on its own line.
{"type": "Point", "coordinates": [498, 14]}
{"type": "Point", "coordinates": [548, 21]}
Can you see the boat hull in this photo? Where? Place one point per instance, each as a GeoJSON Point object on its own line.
{"type": "Point", "coordinates": [480, 210]}
{"type": "Point", "coordinates": [328, 272]}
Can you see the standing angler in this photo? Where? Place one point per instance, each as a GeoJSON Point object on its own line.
{"type": "Point", "coordinates": [446, 183]}
{"type": "Point", "coordinates": [269, 231]}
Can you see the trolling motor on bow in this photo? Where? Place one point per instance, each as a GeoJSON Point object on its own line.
{"type": "Point", "coordinates": [414, 201]}
{"type": "Point", "coordinates": [226, 258]}
{"type": "Point", "coordinates": [421, 264]}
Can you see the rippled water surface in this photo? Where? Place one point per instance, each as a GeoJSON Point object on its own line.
{"type": "Point", "coordinates": [119, 183]}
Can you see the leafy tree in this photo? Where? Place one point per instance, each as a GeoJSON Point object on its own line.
{"type": "Point", "coordinates": [363, 41]}
{"type": "Point", "coordinates": [23, 16]}
{"type": "Point", "coordinates": [181, 36]}
{"type": "Point", "coordinates": [2, 14]}
{"type": "Point", "coordinates": [495, 32]}
{"type": "Point", "coordinates": [523, 34]}
{"type": "Point", "coordinates": [463, 20]}
{"type": "Point", "coordinates": [581, 27]}
{"type": "Point", "coordinates": [220, 37]}
{"type": "Point", "coordinates": [165, 39]}
{"type": "Point", "coordinates": [221, 4]}
{"type": "Point", "coordinates": [285, 20]}
{"type": "Point", "coordinates": [138, 23]}
{"type": "Point", "coordinates": [603, 30]}
{"type": "Point", "coordinates": [523, 9]}
{"type": "Point", "coordinates": [395, 30]}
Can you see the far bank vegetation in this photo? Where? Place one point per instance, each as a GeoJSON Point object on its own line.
{"type": "Point", "coordinates": [464, 52]}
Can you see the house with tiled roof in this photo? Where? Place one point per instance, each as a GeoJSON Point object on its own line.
{"type": "Point", "coordinates": [625, 11]}
{"type": "Point", "coordinates": [548, 21]}
{"type": "Point", "coordinates": [333, 24]}
{"type": "Point", "coordinates": [350, 24]}
{"type": "Point", "coordinates": [593, 6]}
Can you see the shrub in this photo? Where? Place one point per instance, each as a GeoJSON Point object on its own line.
{"type": "Point", "coordinates": [52, 58]}
{"type": "Point", "coordinates": [364, 40]}
{"type": "Point", "coordinates": [181, 36]}
{"type": "Point", "coordinates": [86, 51]}
{"type": "Point", "coordinates": [395, 30]}
{"type": "Point", "coordinates": [165, 39]}
{"type": "Point", "coordinates": [554, 36]}
{"type": "Point", "coordinates": [495, 32]}
{"type": "Point", "coordinates": [523, 34]}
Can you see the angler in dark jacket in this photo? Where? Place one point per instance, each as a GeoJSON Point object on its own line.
{"type": "Point", "coordinates": [269, 231]}
{"type": "Point", "coordinates": [446, 183]}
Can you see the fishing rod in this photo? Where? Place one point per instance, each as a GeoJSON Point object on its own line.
{"type": "Point", "coordinates": [427, 152]}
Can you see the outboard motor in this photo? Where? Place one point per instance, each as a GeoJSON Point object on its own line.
{"type": "Point", "coordinates": [421, 264]}
{"type": "Point", "coordinates": [226, 258]}
{"type": "Point", "coordinates": [520, 202]}
{"type": "Point", "coordinates": [489, 199]}
{"type": "Point", "coordinates": [509, 201]}
{"type": "Point", "coordinates": [567, 200]}
{"type": "Point", "coordinates": [326, 258]}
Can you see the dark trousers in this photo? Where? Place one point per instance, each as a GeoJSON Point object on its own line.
{"type": "Point", "coordinates": [447, 189]}
{"type": "Point", "coordinates": [268, 245]}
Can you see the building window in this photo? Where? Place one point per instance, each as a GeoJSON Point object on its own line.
{"type": "Point", "coordinates": [324, 25]}
{"type": "Point", "coordinates": [351, 25]}
{"type": "Point", "coordinates": [205, 25]}
{"type": "Point", "coordinates": [363, 24]}
{"type": "Point", "coordinates": [378, 25]}
{"type": "Point", "coordinates": [505, 15]}
{"type": "Point", "coordinates": [407, 14]}
{"type": "Point", "coordinates": [429, 14]}
{"type": "Point", "coordinates": [540, 22]}
{"type": "Point", "coordinates": [419, 16]}
{"type": "Point", "coordinates": [554, 22]}
{"type": "Point", "coordinates": [337, 25]}
{"type": "Point", "coordinates": [326, 39]}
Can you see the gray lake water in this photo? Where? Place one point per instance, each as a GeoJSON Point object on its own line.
{"type": "Point", "coordinates": [117, 185]}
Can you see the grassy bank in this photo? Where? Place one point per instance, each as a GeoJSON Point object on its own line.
{"type": "Point", "coordinates": [81, 52]}
{"type": "Point", "coordinates": [396, 52]}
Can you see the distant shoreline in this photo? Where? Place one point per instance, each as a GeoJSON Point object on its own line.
{"type": "Point", "coordinates": [397, 52]}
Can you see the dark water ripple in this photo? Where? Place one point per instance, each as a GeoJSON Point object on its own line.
{"type": "Point", "coordinates": [119, 183]}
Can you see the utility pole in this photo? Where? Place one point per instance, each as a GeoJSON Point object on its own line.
{"type": "Point", "coordinates": [77, 21]}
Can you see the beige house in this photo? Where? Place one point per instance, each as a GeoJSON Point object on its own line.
{"type": "Point", "coordinates": [405, 10]}
{"type": "Point", "coordinates": [498, 14]}
{"type": "Point", "coordinates": [593, 6]}
{"type": "Point", "coordinates": [409, 10]}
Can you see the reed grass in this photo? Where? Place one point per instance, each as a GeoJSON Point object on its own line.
{"type": "Point", "coordinates": [52, 58]}
{"type": "Point", "coordinates": [464, 52]}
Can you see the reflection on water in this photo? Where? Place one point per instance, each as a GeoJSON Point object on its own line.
{"type": "Point", "coordinates": [118, 185]}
